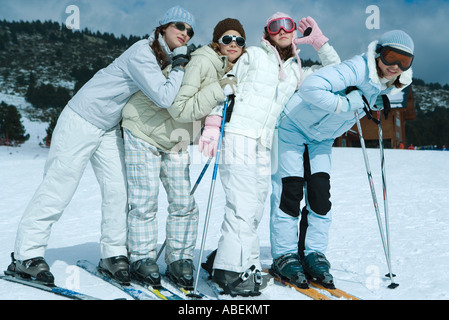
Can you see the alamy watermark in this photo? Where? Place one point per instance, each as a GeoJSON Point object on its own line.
{"type": "Point", "coordinates": [72, 281]}
{"type": "Point", "coordinates": [73, 20]}
{"type": "Point", "coordinates": [373, 20]}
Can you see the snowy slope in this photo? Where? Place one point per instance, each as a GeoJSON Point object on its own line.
{"type": "Point", "coordinates": [418, 189]}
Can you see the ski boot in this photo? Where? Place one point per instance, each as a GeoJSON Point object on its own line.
{"type": "Point", "coordinates": [35, 269]}
{"type": "Point", "coordinates": [117, 268]}
{"type": "Point", "coordinates": [146, 271]}
{"type": "Point", "coordinates": [180, 272]}
{"type": "Point", "coordinates": [288, 267]}
{"type": "Point", "coordinates": [209, 264]}
{"type": "Point", "coordinates": [248, 283]}
{"type": "Point", "coordinates": [316, 266]}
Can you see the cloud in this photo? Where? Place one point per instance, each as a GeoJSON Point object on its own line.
{"type": "Point", "coordinates": [343, 22]}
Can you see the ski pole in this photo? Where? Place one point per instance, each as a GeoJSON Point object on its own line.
{"type": "Point", "coordinates": [373, 194]}
{"type": "Point", "coordinates": [201, 175]}
{"type": "Point", "coordinates": [211, 194]}
{"type": "Point", "coordinates": [384, 187]}
{"type": "Point", "coordinates": [191, 193]}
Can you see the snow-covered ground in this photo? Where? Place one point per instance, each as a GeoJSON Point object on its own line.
{"type": "Point", "coordinates": [418, 190]}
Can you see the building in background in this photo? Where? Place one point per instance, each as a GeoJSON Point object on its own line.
{"type": "Point", "coordinates": [393, 128]}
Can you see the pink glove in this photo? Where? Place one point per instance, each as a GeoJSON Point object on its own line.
{"type": "Point", "coordinates": [316, 37]}
{"type": "Point", "coordinates": [208, 143]}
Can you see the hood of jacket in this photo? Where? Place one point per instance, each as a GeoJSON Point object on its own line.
{"type": "Point", "coordinates": [219, 62]}
{"type": "Point", "coordinates": [270, 48]}
{"type": "Point", "coordinates": [163, 44]}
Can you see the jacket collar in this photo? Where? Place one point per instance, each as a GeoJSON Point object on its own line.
{"type": "Point", "coordinates": [269, 48]}
{"type": "Point", "coordinates": [162, 42]}
{"type": "Point", "coordinates": [220, 62]}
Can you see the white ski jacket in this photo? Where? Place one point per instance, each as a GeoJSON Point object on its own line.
{"type": "Point", "coordinates": [101, 100]}
{"type": "Point", "coordinates": [261, 95]}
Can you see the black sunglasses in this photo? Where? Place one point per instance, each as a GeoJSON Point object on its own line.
{"type": "Point", "coordinates": [226, 40]}
{"type": "Point", "coordinates": [181, 27]}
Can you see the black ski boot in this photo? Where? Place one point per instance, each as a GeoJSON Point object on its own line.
{"type": "Point", "coordinates": [117, 268]}
{"type": "Point", "coordinates": [288, 267]}
{"type": "Point", "coordinates": [248, 283]}
{"type": "Point", "coordinates": [181, 273]}
{"type": "Point", "coordinates": [316, 266]}
{"type": "Point", "coordinates": [209, 264]}
{"type": "Point", "coordinates": [146, 271]}
{"type": "Point", "coordinates": [35, 269]}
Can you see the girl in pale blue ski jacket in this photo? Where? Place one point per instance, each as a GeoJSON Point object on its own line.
{"type": "Point", "coordinates": [317, 114]}
{"type": "Point", "coordinates": [317, 107]}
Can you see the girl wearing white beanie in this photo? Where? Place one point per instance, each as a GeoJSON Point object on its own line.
{"type": "Point", "coordinates": [88, 130]}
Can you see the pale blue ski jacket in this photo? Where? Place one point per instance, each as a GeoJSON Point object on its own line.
{"type": "Point", "coordinates": [314, 108]}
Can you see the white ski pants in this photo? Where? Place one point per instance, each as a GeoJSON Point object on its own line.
{"type": "Point", "coordinates": [245, 177]}
{"type": "Point", "coordinates": [75, 142]}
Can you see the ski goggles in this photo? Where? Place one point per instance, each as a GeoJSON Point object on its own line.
{"type": "Point", "coordinates": [227, 39]}
{"type": "Point", "coordinates": [181, 27]}
{"type": "Point", "coordinates": [391, 56]}
{"type": "Point", "coordinates": [275, 26]}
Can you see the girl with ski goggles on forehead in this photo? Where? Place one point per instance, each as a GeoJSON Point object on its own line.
{"type": "Point", "coordinates": [275, 25]}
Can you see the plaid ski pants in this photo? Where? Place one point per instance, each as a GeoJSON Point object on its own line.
{"type": "Point", "coordinates": [146, 165]}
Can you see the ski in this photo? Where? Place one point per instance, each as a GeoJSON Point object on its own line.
{"type": "Point", "coordinates": [219, 293]}
{"type": "Point", "coordinates": [188, 293]}
{"type": "Point", "coordinates": [313, 293]}
{"type": "Point", "coordinates": [52, 289]}
{"type": "Point", "coordinates": [338, 293]}
{"type": "Point", "coordinates": [310, 292]}
{"type": "Point", "coordinates": [130, 290]}
{"type": "Point", "coordinates": [160, 291]}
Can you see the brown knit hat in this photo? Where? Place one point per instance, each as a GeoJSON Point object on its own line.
{"type": "Point", "coordinates": [225, 25]}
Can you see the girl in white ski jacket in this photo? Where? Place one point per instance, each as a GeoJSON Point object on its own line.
{"type": "Point", "coordinates": [319, 112]}
{"type": "Point", "coordinates": [265, 83]}
{"type": "Point", "coordinates": [88, 130]}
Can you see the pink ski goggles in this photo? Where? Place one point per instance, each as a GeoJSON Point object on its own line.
{"type": "Point", "coordinates": [275, 26]}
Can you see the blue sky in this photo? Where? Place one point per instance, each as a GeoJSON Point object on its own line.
{"type": "Point", "coordinates": [342, 21]}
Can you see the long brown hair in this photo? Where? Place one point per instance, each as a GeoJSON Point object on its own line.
{"type": "Point", "coordinates": [284, 53]}
{"type": "Point", "coordinates": [160, 54]}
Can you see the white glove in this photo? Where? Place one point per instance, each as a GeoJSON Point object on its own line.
{"type": "Point", "coordinates": [352, 102]}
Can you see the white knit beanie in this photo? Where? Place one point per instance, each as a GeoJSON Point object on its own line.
{"type": "Point", "coordinates": [178, 14]}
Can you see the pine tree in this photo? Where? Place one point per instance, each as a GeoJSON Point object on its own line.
{"type": "Point", "coordinates": [12, 130]}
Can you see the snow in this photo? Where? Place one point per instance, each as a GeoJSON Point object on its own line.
{"type": "Point", "coordinates": [418, 192]}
